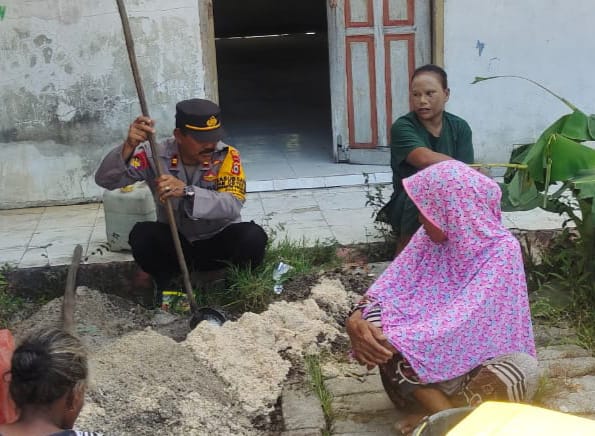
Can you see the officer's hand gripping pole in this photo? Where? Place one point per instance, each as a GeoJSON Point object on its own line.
{"type": "Point", "coordinates": [143, 104]}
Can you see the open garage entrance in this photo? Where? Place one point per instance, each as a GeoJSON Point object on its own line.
{"type": "Point", "coordinates": [273, 74]}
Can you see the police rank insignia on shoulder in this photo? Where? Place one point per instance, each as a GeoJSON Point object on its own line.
{"type": "Point", "coordinates": [139, 161]}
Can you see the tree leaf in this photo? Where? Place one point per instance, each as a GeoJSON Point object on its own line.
{"type": "Point", "coordinates": [535, 158]}
{"type": "Point", "coordinates": [585, 184]}
{"type": "Point", "coordinates": [517, 156]}
{"type": "Point", "coordinates": [575, 127]}
{"type": "Point", "coordinates": [481, 79]}
{"type": "Point", "coordinates": [569, 158]}
{"type": "Point", "coordinates": [520, 194]}
{"type": "Point", "coordinates": [591, 126]}
{"type": "Point", "coordinates": [562, 99]}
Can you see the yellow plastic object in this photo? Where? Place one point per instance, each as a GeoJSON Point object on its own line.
{"type": "Point", "coordinates": [511, 419]}
{"type": "Point", "coordinates": [175, 300]}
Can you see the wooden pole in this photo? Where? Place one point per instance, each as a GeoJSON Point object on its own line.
{"type": "Point", "coordinates": [145, 111]}
{"type": "Point", "coordinates": [68, 302]}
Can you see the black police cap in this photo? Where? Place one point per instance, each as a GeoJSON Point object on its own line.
{"type": "Point", "coordinates": [200, 119]}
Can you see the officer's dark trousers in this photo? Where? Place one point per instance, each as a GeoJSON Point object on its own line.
{"type": "Point", "coordinates": [240, 244]}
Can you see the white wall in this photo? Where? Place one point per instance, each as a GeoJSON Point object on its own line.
{"type": "Point", "coordinates": [550, 41]}
{"type": "Point", "coordinates": [67, 91]}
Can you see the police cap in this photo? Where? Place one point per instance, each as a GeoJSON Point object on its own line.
{"type": "Point", "coordinates": [200, 119]}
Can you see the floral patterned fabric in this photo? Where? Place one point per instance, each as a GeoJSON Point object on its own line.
{"type": "Point", "coordinates": [448, 307]}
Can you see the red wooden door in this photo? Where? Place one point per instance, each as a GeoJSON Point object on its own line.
{"type": "Point", "coordinates": [374, 47]}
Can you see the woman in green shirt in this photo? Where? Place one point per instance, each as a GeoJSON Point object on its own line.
{"type": "Point", "coordinates": [425, 136]}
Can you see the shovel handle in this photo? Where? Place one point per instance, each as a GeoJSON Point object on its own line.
{"type": "Point", "coordinates": [158, 166]}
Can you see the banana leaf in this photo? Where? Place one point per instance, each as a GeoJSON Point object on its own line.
{"type": "Point", "coordinates": [510, 203]}
{"type": "Point", "coordinates": [568, 158]}
{"type": "Point", "coordinates": [576, 126]}
{"type": "Point", "coordinates": [517, 156]}
{"type": "Point", "coordinates": [584, 184]}
{"type": "Point", "coordinates": [556, 156]}
{"type": "Point", "coordinates": [536, 158]}
{"type": "Point", "coordinates": [584, 189]}
{"type": "Point", "coordinates": [520, 193]}
{"type": "Point", "coordinates": [591, 125]}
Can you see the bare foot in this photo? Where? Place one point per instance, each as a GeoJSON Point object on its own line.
{"type": "Point", "coordinates": [406, 425]}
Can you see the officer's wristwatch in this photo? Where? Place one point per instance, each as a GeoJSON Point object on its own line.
{"type": "Point", "coordinates": [188, 192]}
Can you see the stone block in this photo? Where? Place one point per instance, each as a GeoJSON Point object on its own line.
{"type": "Point", "coordinates": [561, 352]}
{"type": "Point", "coordinates": [340, 386]}
{"type": "Point", "coordinates": [350, 368]}
{"type": "Point", "coordinates": [369, 423]}
{"type": "Point", "coordinates": [577, 396]}
{"type": "Point", "coordinates": [549, 335]}
{"type": "Point", "coordinates": [370, 402]}
{"type": "Point", "coordinates": [567, 368]}
{"type": "Point", "coordinates": [302, 432]}
{"type": "Point", "coordinates": [301, 411]}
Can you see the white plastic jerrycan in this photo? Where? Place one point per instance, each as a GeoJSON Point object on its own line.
{"type": "Point", "coordinates": [123, 208]}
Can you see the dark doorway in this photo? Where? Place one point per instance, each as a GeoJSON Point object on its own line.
{"type": "Point", "coordinates": [273, 72]}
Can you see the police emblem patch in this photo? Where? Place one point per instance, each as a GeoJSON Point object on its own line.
{"type": "Point", "coordinates": [211, 122]}
{"type": "Point", "coordinates": [139, 161]}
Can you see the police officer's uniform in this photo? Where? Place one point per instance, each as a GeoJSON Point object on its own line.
{"type": "Point", "coordinates": [208, 216]}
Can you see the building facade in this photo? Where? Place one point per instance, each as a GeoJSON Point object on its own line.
{"type": "Point", "coordinates": [68, 96]}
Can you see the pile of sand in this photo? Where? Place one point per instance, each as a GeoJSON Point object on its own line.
{"type": "Point", "coordinates": [246, 353]}
{"type": "Point", "coordinates": [219, 380]}
{"type": "Point", "coordinates": [147, 384]}
{"type": "Point", "coordinates": [100, 318]}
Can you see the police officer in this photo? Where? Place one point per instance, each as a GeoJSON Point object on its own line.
{"type": "Point", "coordinates": [205, 182]}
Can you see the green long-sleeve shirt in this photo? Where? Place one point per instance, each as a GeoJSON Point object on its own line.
{"type": "Point", "coordinates": [407, 134]}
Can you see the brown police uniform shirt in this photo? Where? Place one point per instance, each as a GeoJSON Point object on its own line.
{"type": "Point", "coordinates": [219, 185]}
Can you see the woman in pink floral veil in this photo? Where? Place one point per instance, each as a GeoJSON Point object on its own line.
{"type": "Point", "coordinates": [448, 322]}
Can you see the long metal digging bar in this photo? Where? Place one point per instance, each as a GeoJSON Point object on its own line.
{"type": "Point", "coordinates": [143, 104]}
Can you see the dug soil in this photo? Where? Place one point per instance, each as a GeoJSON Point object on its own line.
{"type": "Point", "coordinates": [149, 374]}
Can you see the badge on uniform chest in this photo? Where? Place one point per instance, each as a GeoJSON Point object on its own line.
{"type": "Point", "coordinates": [209, 176]}
{"type": "Point", "coordinates": [210, 170]}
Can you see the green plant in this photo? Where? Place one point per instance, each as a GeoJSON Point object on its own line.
{"type": "Point", "coordinates": [318, 387]}
{"type": "Point", "coordinates": [558, 157]}
{"type": "Point", "coordinates": [252, 289]}
{"type": "Point", "coordinates": [557, 173]}
{"type": "Point", "coordinates": [561, 291]}
{"type": "Point", "coordinates": [375, 198]}
{"type": "Point", "coordinates": [9, 304]}
{"type": "Point", "coordinates": [6, 268]}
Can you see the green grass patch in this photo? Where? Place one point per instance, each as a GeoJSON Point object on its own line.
{"type": "Point", "coordinates": [562, 287]}
{"type": "Point", "coordinates": [10, 304]}
{"type": "Point", "coordinates": [318, 387]}
{"type": "Point", "coordinates": [252, 289]}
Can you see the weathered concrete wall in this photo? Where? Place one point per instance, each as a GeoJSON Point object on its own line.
{"type": "Point", "coordinates": [67, 91]}
{"type": "Point", "coordinates": [549, 41]}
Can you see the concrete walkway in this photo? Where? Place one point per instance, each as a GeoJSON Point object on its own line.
{"type": "Point", "coordinates": [45, 236]}
{"type": "Point", "coordinates": [359, 406]}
